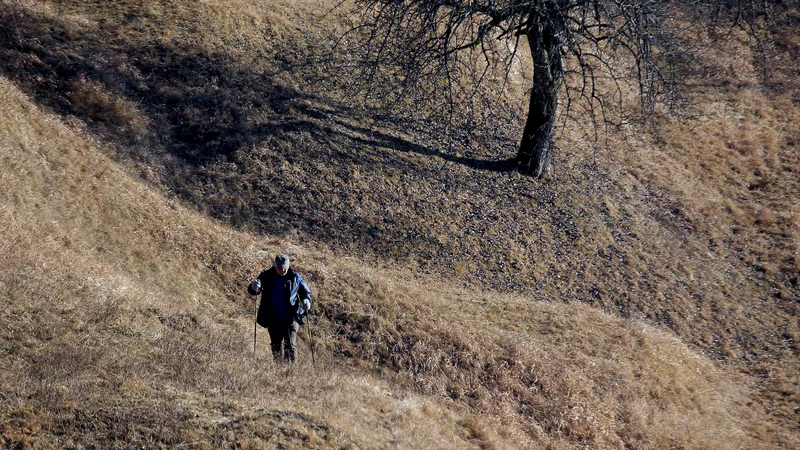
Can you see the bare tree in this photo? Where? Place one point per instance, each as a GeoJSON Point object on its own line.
{"type": "Point", "coordinates": [585, 53]}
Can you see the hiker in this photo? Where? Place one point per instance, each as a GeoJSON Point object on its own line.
{"type": "Point", "coordinates": [285, 301]}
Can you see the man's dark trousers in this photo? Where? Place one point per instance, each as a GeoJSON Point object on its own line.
{"type": "Point", "coordinates": [284, 335]}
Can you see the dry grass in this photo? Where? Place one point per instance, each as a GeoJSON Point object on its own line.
{"type": "Point", "coordinates": [124, 316]}
{"type": "Point", "coordinates": [120, 329]}
{"type": "Point", "coordinates": [124, 325]}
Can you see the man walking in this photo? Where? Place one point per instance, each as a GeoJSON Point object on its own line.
{"type": "Point", "coordinates": [285, 301]}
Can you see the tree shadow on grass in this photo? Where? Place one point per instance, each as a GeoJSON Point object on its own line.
{"type": "Point", "coordinates": [193, 105]}
{"type": "Point", "coordinates": [200, 119]}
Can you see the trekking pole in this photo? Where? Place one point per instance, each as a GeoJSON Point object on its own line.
{"type": "Point", "coordinates": [311, 341]}
{"type": "Point", "coordinates": [255, 325]}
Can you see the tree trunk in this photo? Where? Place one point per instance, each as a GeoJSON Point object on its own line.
{"type": "Point", "coordinates": [535, 154]}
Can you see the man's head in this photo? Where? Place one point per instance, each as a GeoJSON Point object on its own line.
{"type": "Point", "coordinates": [281, 264]}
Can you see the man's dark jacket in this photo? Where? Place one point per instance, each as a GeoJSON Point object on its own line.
{"type": "Point", "coordinates": [295, 291]}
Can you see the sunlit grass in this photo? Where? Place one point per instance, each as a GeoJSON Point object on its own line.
{"type": "Point", "coordinates": [124, 307]}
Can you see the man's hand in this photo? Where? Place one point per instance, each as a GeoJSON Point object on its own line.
{"type": "Point", "coordinates": [254, 288]}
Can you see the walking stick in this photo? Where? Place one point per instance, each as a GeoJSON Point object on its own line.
{"type": "Point", "coordinates": [311, 341]}
{"type": "Point", "coordinates": [255, 326]}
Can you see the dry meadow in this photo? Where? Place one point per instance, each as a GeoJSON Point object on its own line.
{"type": "Point", "coordinates": [155, 155]}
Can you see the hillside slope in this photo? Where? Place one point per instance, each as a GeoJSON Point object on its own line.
{"type": "Point", "coordinates": [233, 111]}
{"type": "Point", "coordinates": [124, 324]}
{"type": "Point", "coordinates": [120, 327]}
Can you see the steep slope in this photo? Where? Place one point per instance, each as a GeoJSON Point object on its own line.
{"type": "Point", "coordinates": [232, 109]}
{"type": "Point", "coordinates": [119, 325]}
{"type": "Point", "coordinates": [124, 324]}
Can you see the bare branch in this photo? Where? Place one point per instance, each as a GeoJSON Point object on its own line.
{"type": "Point", "coordinates": [455, 47]}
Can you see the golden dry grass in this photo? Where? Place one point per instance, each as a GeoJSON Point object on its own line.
{"type": "Point", "coordinates": [124, 324]}
{"type": "Point", "coordinates": [124, 318]}
{"type": "Point", "coordinates": [119, 330]}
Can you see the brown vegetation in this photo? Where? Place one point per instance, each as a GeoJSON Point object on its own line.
{"type": "Point", "coordinates": [124, 316]}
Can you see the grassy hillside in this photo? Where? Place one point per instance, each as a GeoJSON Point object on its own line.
{"type": "Point", "coordinates": [124, 309]}
{"type": "Point", "coordinates": [124, 324]}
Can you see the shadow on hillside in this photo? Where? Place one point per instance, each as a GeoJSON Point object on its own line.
{"type": "Point", "coordinates": [379, 139]}
{"type": "Point", "coordinates": [157, 100]}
